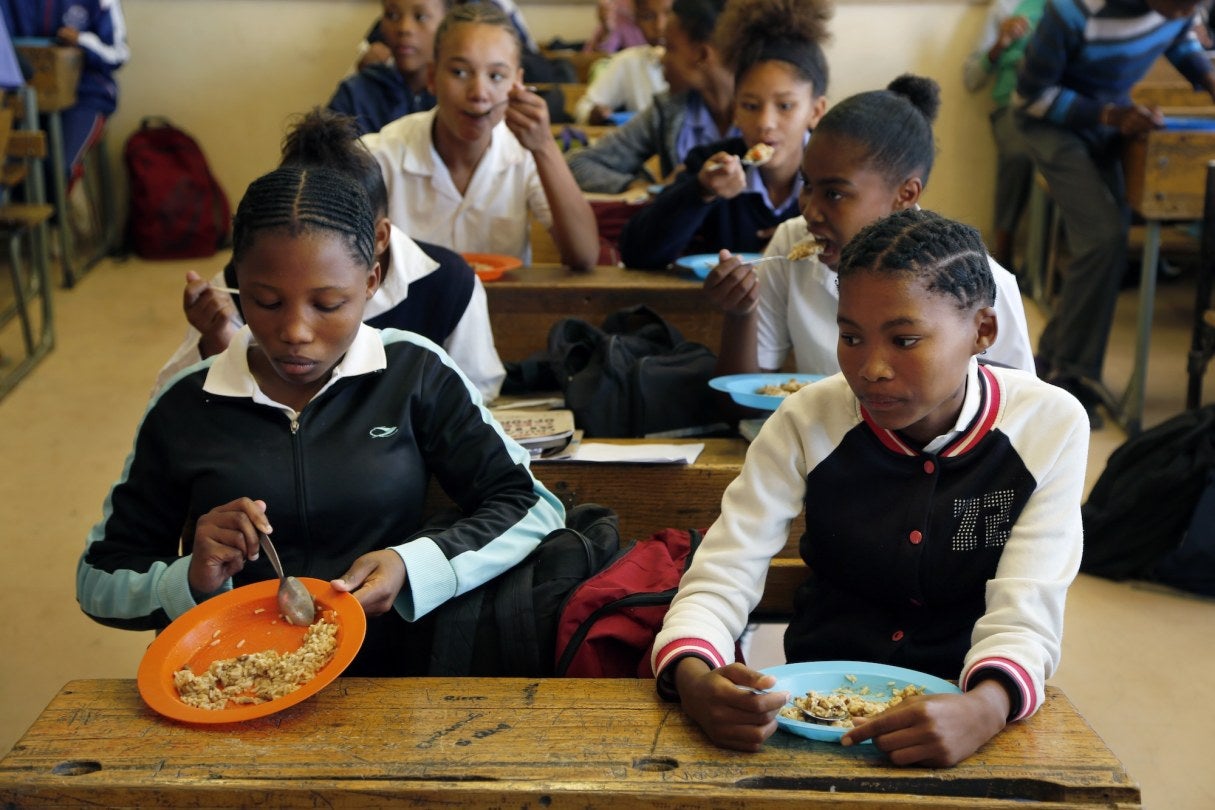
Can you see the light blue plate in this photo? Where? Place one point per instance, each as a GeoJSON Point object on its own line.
{"type": "Point", "coordinates": [621, 117]}
{"type": "Point", "coordinates": [1192, 123]}
{"type": "Point", "coordinates": [743, 388]}
{"type": "Point", "coordinates": [827, 676]}
{"type": "Point", "coordinates": [702, 263]}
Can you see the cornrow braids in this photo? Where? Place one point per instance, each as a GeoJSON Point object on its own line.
{"type": "Point", "coordinates": [299, 200]}
{"type": "Point", "coordinates": [893, 125]}
{"type": "Point", "coordinates": [947, 256]}
{"type": "Point", "coordinates": [323, 137]}
{"type": "Point", "coordinates": [481, 12]}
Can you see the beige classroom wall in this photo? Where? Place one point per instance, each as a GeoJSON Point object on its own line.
{"type": "Point", "coordinates": [232, 73]}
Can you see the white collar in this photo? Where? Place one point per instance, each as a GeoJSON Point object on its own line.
{"type": "Point", "coordinates": [504, 149]}
{"type": "Point", "coordinates": [409, 264]}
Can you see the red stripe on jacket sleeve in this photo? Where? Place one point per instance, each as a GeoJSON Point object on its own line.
{"type": "Point", "coordinates": [1025, 702]}
{"type": "Point", "coordinates": [675, 650]}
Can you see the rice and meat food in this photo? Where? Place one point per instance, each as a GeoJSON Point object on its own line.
{"type": "Point", "coordinates": [259, 677]}
{"type": "Point", "coordinates": [804, 249]}
{"type": "Point", "coordinates": [846, 700]}
{"type": "Point", "coordinates": [792, 385]}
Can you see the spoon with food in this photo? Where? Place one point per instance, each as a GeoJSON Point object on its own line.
{"type": "Point", "coordinates": [757, 155]}
{"type": "Point", "coordinates": [294, 601]}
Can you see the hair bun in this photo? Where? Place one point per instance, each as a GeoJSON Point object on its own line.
{"type": "Point", "coordinates": [922, 92]}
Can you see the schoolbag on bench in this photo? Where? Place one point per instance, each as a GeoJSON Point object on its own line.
{"type": "Point", "coordinates": [178, 209]}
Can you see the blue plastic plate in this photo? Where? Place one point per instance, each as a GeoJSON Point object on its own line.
{"type": "Point", "coordinates": [702, 263]}
{"type": "Point", "coordinates": [621, 117]}
{"type": "Point", "coordinates": [827, 676]}
{"type": "Point", "coordinates": [743, 388]}
{"type": "Point", "coordinates": [1199, 124]}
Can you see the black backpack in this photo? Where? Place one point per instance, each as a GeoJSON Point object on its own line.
{"type": "Point", "coordinates": [508, 626]}
{"type": "Point", "coordinates": [633, 376]}
{"type": "Point", "coordinates": [1141, 506]}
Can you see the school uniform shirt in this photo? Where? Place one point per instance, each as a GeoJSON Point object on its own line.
{"type": "Point", "coordinates": [428, 290]}
{"type": "Point", "coordinates": [798, 303]}
{"type": "Point", "coordinates": [490, 217]}
{"type": "Point", "coordinates": [102, 41]}
{"type": "Point", "coordinates": [345, 476]}
{"type": "Point", "coordinates": [678, 222]}
{"type": "Point", "coordinates": [377, 95]}
{"type": "Point", "coordinates": [628, 80]}
{"type": "Point", "coordinates": [953, 559]}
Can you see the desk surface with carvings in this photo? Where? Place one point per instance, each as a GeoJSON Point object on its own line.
{"type": "Point", "coordinates": [515, 743]}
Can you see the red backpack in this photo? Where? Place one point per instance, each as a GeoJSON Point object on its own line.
{"type": "Point", "coordinates": [608, 623]}
{"type": "Point", "coordinates": [178, 210]}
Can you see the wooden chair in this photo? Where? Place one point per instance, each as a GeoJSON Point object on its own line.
{"type": "Point", "coordinates": [23, 227]}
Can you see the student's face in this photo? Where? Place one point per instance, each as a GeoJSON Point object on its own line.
{"type": "Point", "coordinates": [475, 68]}
{"type": "Point", "coordinates": [1174, 9]}
{"type": "Point", "coordinates": [651, 17]}
{"type": "Point", "coordinates": [842, 195]}
{"type": "Point", "coordinates": [409, 28]}
{"type": "Point", "coordinates": [681, 62]}
{"type": "Point", "coordinates": [303, 298]}
{"type": "Point", "coordinates": [773, 105]}
{"type": "Point", "coordinates": [905, 350]}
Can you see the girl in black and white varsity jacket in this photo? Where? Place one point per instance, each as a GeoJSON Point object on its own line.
{"type": "Point", "coordinates": [322, 430]}
{"type": "Point", "coordinates": [942, 501]}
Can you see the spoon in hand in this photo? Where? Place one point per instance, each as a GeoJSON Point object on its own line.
{"type": "Point", "coordinates": [294, 601]}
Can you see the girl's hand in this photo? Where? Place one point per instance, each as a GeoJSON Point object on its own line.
{"type": "Point", "coordinates": [68, 35]}
{"type": "Point", "coordinates": [1134, 119]}
{"type": "Point", "coordinates": [722, 176]}
{"type": "Point", "coordinates": [223, 539]}
{"type": "Point", "coordinates": [936, 730]}
{"type": "Point", "coordinates": [375, 579]}
{"type": "Point", "coordinates": [209, 311]}
{"type": "Point", "coordinates": [733, 286]}
{"type": "Point", "coordinates": [732, 717]}
{"type": "Point", "coordinates": [527, 118]}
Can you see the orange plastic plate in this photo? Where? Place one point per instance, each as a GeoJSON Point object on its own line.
{"type": "Point", "coordinates": [491, 266]}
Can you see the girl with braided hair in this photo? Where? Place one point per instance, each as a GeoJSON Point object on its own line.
{"type": "Point", "coordinates": [871, 155]}
{"type": "Point", "coordinates": [319, 429]}
{"type": "Point", "coordinates": [733, 193]}
{"type": "Point", "coordinates": [942, 503]}
{"type": "Point", "coordinates": [423, 288]}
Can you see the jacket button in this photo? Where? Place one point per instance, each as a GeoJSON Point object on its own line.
{"type": "Point", "coordinates": [898, 636]}
{"type": "Point", "coordinates": [915, 537]}
{"type": "Point", "coordinates": [929, 467]}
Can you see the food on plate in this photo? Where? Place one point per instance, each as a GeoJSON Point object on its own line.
{"type": "Point", "coordinates": [258, 677]}
{"type": "Point", "coordinates": [848, 700]}
{"type": "Point", "coordinates": [790, 386]}
{"type": "Point", "coordinates": [482, 267]}
{"type": "Point", "coordinates": [759, 154]}
{"type": "Point", "coordinates": [804, 249]}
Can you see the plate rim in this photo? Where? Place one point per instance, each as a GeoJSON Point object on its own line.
{"type": "Point", "coordinates": [502, 262]}
{"type": "Point", "coordinates": [154, 675]}
{"type": "Point", "coordinates": [696, 261]}
{"type": "Point", "coordinates": [760, 401]}
{"type": "Point", "coordinates": [933, 684]}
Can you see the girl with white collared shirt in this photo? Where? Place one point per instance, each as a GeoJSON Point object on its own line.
{"type": "Point", "coordinates": [466, 174]}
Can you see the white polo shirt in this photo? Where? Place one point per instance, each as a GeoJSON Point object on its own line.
{"type": "Point", "coordinates": [798, 303]}
{"type": "Point", "coordinates": [490, 217]}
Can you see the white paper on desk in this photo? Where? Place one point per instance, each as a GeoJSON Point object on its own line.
{"type": "Point", "coordinates": [639, 453]}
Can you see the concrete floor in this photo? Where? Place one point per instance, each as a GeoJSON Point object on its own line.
{"type": "Point", "coordinates": [1135, 660]}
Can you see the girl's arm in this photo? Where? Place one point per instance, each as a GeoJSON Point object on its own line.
{"type": "Point", "coordinates": [618, 158]}
{"type": "Point", "coordinates": [574, 228]}
{"type": "Point", "coordinates": [660, 232]}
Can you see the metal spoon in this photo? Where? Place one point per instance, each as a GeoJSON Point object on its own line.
{"type": "Point", "coordinates": [823, 719]}
{"type": "Point", "coordinates": [294, 601]}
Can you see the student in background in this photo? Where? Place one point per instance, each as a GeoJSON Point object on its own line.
{"type": "Point", "coordinates": [99, 30]}
{"type": "Point", "coordinates": [871, 156]}
{"type": "Point", "coordinates": [322, 431]}
{"type": "Point", "coordinates": [615, 28]}
{"type": "Point", "coordinates": [697, 109]}
{"type": "Point", "coordinates": [423, 288]}
{"type": "Point", "coordinates": [384, 91]}
{"type": "Point", "coordinates": [780, 85]}
{"type": "Point", "coordinates": [630, 78]}
{"type": "Point", "coordinates": [1074, 113]}
{"type": "Point", "coordinates": [942, 503]}
{"type": "Point", "coordinates": [994, 61]}
{"type": "Point", "coordinates": [466, 174]}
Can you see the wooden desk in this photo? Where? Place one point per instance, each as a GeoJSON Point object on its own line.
{"type": "Point", "coordinates": [497, 743]}
{"type": "Point", "coordinates": [1165, 180]}
{"type": "Point", "coordinates": [525, 303]}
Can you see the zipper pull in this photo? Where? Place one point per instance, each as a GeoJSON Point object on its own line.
{"type": "Point", "coordinates": [295, 426]}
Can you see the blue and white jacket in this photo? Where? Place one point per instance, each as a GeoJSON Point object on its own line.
{"type": "Point", "coordinates": [1085, 54]}
{"type": "Point", "coordinates": [103, 40]}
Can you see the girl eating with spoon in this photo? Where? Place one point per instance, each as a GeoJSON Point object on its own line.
{"type": "Point", "coordinates": [322, 431]}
